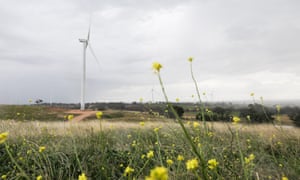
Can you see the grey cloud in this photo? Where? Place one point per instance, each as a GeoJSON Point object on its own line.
{"type": "Point", "coordinates": [229, 40]}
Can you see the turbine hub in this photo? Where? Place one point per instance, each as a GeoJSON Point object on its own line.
{"type": "Point", "coordinates": [82, 40]}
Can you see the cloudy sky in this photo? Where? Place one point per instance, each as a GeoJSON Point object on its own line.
{"type": "Point", "coordinates": [238, 47]}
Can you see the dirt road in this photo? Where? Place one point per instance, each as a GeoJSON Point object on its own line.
{"type": "Point", "coordinates": [81, 115]}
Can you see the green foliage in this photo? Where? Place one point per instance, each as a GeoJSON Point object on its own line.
{"type": "Point", "coordinates": [293, 113]}
{"type": "Point", "coordinates": [179, 110]}
{"type": "Point", "coordinates": [216, 114]}
{"type": "Point", "coordinates": [113, 115]}
{"type": "Point", "coordinates": [29, 112]}
{"type": "Point", "coordinates": [296, 119]}
{"type": "Point", "coordinates": [258, 113]}
{"type": "Point", "coordinates": [105, 155]}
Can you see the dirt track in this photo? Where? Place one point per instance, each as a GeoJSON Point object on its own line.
{"type": "Point", "coordinates": [81, 115]}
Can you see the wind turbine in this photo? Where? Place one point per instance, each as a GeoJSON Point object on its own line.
{"type": "Point", "coordinates": [86, 44]}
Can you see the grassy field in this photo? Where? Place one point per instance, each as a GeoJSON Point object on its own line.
{"type": "Point", "coordinates": [132, 145]}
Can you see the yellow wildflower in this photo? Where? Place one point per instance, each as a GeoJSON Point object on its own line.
{"type": "Point", "coordinates": [196, 124]}
{"type": "Point", "coordinates": [180, 158]}
{"type": "Point", "coordinates": [249, 159]}
{"type": "Point", "coordinates": [134, 143]}
{"type": "Point", "coordinates": [192, 164]}
{"type": "Point", "coordinates": [190, 59]}
{"type": "Point", "coordinates": [3, 137]}
{"type": "Point", "coordinates": [39, 177]}
{"type": "Point", "coordinates": [4, 176]}
{"type": "Point", "coordinates": [128, 171]}
{"type": "Point", "coordinates": [158, 173]}
{"type": "Point", "coordinates": [278, 108]}
{"type": "Point", "coordinates": [156, 129]}
{"type": "Point", "coordinates": [82, 177]}
{"type": "Point", "coordinates": [284, 178]}
{"type": "Point", "coordinates": [248, 118]}
{"type": "Point", "coordinates": [177, 99]}
{"type": "Point", "coordinates": [142, 123]}
{"type": "Point", "coordinates": [170, 162]}
{"type": "Point", "coordinates": [70, 117]}
{"type": "Point", "coordinates": [156, 66]}
{"type": "Point", "coordinates": [42, 148]}
{"type": "Point", "coordinates": [252, 94]}
{"type": "Point", "coordinates": [235, 120]}
{"type": "Point", "coordinates": [150, 154]}
{"type": "Point", "coordinates": [212, 163]}
{"type": "Point", "coordinates": [99, 114]}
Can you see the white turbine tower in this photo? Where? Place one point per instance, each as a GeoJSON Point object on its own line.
{"type": "Point", "coordinates": [86, 44]}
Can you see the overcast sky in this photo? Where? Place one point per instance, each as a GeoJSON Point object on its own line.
{"type": "Point", "coordinates": [239, 47]}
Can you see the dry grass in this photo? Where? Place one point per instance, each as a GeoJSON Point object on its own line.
{"type": "Point", "coordinates": [36, 128]}
{"type": "Point", "coordinates": [264, 130]}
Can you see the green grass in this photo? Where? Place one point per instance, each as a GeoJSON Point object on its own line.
{"type": "Point", "coordinates": [73, 148]}
{"type": "Point", "coordinates": [30, 112]}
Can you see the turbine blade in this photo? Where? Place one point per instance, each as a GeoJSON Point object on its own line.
{"type": "Point", "coordinates": [89, 32]}
{"type": "Point", "coordinates": [94, 55]}
{"type": "Point", "coordinates": [88, 36]}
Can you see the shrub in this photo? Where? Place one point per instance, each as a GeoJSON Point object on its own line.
{"type": "Point", "coordinates": [179, 110]}
{"type": "Point", "coordinates": [217, 114]}
{"type": "Point", "coordinates": [297, 120]}
{"type": "Point", "coordinates": [258, 113]}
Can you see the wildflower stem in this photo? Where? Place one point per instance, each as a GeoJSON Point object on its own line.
{"type": "Point", "coordinates": [241, 155]}
{"type": "Point", "coordinates": [14, 161]}
{"type": "Point", "coordinates": [199, 97]}
{"type": "Point", "coordinates": [76, 154]}
{"type": "Point", "coordinates": [186, 133]}
{"type": "Point", "coordinates": [264, 110]}
{"type": "Point", "coordinates": [140, 171]}
{"type": "Point", "coordinates": [159, 153]}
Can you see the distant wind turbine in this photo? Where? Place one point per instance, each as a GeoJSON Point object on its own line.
{"type": "Point", "coordinates": [86, 44]}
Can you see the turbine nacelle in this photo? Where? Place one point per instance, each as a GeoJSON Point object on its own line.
{"type": "Point", "coordinates": [83, 40]}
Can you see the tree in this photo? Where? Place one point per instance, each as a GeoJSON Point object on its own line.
{"type": "Point", "coordinates": [179, 110]}
{"type": "Point", "coordinates": [257, 112]}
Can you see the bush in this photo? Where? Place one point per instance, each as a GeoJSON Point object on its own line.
{"type": "Point", "coordinates": [113, 115]}
{"type": "Point", "coordinates": [293, 113]}
{"type": "Point", "coordinates": [179, 110]}
{"type": "Point", "coordinates": [297, 120]}
{"type": "Point", "coordinates": [258, 113]}
{"type": "Point", "coordinates": [217, 114]}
